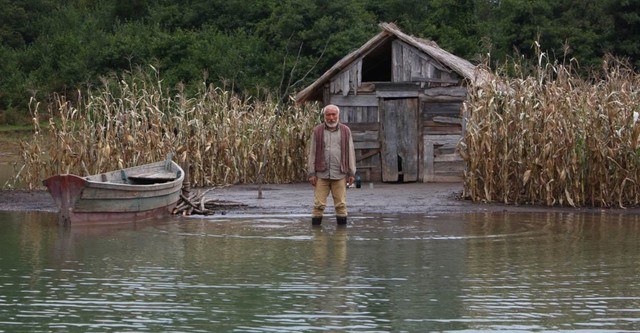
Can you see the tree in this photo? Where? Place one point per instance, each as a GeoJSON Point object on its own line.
{"type": "Point", "coordinates": [623, 40]}
{"type": "Point", "coordinates": [19, 21]}
{"type": "Point", "coordinates": [127, 10]}
{"type": "Point", "coordinates": [311, 35]}
{"type": "Point", "coordinates": [453, 25]}
{"type": "Point", "coordinates": [410, 15]}
{"type": "Point", "coordinates": [53, 45]}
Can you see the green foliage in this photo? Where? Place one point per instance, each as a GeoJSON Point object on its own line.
{"type": "Point", "coordinates": [238, 61]}
{"type": "Point", "coordinates": [130, 45]}
{"type": "Point", "coordinates": [453, 26]}
{"type": "Point", "coordinates": [410, 15]}
{"type": "Point", "coordinates": [127, 10]}
{"type": "Point", "coordinates": [11, 117]}
{"type": "Point", "coordinates": [519, 24]}
{"type": "Point", "coordinates": [19, 20]}
{"type": "Point", "coordinates": [623, 38]}
{"type": "Point", "coordinates": [311, 35]}
{"type": "Point", "coordinates": [11, 80]}
{"type": "Point", "coordinates": [49, 46]}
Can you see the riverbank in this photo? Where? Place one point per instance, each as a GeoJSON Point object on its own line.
{"type": "Point", "coordinates": [387, 198]}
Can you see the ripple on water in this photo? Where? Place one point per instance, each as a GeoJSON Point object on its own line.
{"type": "Point", "coordinates": [418, 272]}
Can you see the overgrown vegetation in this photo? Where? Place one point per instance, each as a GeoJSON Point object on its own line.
{"type": "Point", "coordinates": [59, 46]}
{"type": "Point", "coordinates": [557, 137]}
{"type": "Point", "coordinates": [544, 136]}
{"type": "Point", "coordinates": [550, 137]}
{"type": "Point", "coordinates": [132, 119]}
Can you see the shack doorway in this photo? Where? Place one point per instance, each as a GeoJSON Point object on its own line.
{"type": "Point", "coordinates": [399, 136]}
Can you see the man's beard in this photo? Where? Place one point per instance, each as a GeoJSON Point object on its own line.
{"type": "Point", "coordinates": [332, 125]}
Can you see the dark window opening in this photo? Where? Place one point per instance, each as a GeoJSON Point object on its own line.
{"type": "Point", "coordinates": [376, 66]}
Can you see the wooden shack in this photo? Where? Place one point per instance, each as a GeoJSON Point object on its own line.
{"type": "Point", "coordinates": [402, 98]}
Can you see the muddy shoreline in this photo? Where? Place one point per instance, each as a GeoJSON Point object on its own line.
{"type": "Point", "coordinates": [383, 198]}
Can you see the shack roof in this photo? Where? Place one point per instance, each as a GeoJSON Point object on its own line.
{"type": "Point", "coordinates": [389, 31]}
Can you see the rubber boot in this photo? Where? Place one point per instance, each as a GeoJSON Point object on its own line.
{"type": "Point", "coordinates": [342, 220]}
{"type": "Point", "coordinates": [316, 221]}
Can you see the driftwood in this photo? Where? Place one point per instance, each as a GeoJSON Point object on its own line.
{"type": "Point", "coordinates": [197, 203]}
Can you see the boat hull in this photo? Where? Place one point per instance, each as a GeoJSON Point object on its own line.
{"type": "Point", "coordinates": [117, 197]}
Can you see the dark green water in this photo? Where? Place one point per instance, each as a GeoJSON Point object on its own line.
{"type": "Point", "coordinates": [396, 273]}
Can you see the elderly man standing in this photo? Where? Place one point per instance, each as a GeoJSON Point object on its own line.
{"type": "Point", "coordinates": [331, 160]}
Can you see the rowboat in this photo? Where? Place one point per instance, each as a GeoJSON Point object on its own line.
{"type": "Point", "coordinates": [126, 195]}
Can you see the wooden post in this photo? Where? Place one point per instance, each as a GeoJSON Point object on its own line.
{"type": "Point", "coordinates": [429, 172]}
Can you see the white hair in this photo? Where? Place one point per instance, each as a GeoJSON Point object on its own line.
{"type": "Point", "coordinates": [331, 106]}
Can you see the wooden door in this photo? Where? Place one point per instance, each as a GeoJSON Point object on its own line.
{"type": "Point", "coordinates": [399, 120]}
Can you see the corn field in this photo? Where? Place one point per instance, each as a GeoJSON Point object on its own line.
{"type": "Point", "coordinates": [554, 139]}
{"type": "Point", "coordinates": [132, 120]}
{"type": "Point", "coordinates": [551, 138]}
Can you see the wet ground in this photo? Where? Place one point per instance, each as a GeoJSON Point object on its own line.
{"type": "Point", "coordinates": [297, 199]}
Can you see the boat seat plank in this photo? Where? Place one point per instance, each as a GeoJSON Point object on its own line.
{"type": "Point", "coordinates": [157, 175]}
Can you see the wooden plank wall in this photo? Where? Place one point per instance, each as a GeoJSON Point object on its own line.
{"type": "Point", "coordinates": [348, 80]}
{"type": "Point", "coordinates": [400, 139]}
{"type": "Point", "coordinates": [367, 145]}
{"type": "Point", "coordinates": [412, 65]}
{"type": "Point", "coordinates": [440, 160]}
{"type": "Point", "coordinates": [360, 113]}
{"type": "Point", "coordinates": [442, 129]}
{"type": "Point", "coordinates": [440, 116]}
{"type": "Point", "coordinates": [440, 101]}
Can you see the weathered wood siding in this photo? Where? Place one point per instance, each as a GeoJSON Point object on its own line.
{"type": "Point", "coordinates": [412, 65]}
{"type": "Point", "coordinates": [441, 110]}
{"type": "Point", "coordinates": [415, 118]}
{"type": "Point", "coordinates": [399, 139]}
{"type": "Point", "coordinates": [442, 129]}
{"type": "Point", "coordinates": [360, 113]}
{"type": "Point", "coordinates": [348, 80]}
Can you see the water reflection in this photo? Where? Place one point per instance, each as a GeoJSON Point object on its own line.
{"type": "Point", "coordinates": [416, 273]}
{"type": "Point", "coordinates": [560, 271]}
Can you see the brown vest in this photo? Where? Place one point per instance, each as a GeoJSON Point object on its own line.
{"type": "Point", "coordinates": [345, 134]}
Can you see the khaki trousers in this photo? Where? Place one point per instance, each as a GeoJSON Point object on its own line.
{"type": "Point", "coordinates": [338, 189]}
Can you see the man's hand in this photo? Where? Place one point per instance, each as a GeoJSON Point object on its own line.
{"type": "Point", "coordinates": [312, 180]}
{"type": "Point", "coordinates": [352, 179]}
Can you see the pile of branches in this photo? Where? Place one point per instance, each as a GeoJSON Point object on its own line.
{"type": "Point", "coordinates": [198, 204]}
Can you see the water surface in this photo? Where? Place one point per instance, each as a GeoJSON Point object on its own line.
{"type": "Point", "coordinates": [401, 273]}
